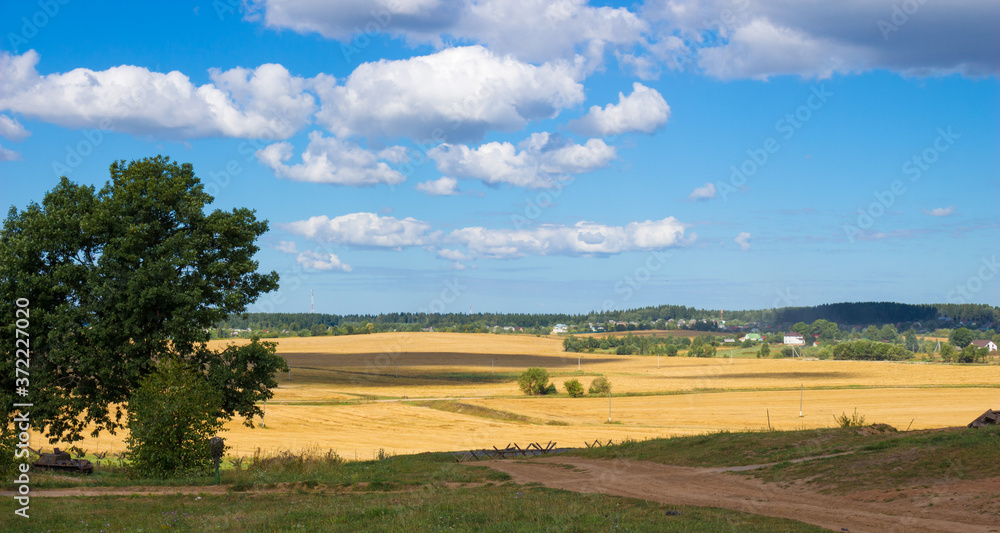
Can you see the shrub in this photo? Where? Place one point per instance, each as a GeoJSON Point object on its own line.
{"type": "Point", "coordinates": [865, 350]}
{"type": "Point", "coordinates": [534, 381]}
{"type": "Point", "coordinates": [787, 351]}
{"type": "Point", "coordinates": [671, 350]}
{"type": "Point", "coordinates": [171, 417]}
{"type": "Point", "coordinates": [850, 421]}
{"type": "Point", "coordinates": [765, 350]}
{"type": "Point", "coordinates": [600, 385]}
{"type": "Point", "coordinates": [574, 388]}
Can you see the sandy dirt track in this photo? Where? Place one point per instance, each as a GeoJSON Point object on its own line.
{"type": "Point", "coordinates": [714, 487]}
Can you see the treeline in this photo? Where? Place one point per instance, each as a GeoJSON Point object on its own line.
{"type": "Point", "coordinates": [644, 318]}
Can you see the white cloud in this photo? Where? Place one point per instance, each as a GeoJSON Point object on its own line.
{"type": "Point", "coordinates": [444, 186]}
{"type": "Point", "coordinates": [455, 94]}
{"type": "Point", "coordinates": [644, 110]}
{"type": "Point", "coordinates": [364, 229]}
{"type": "Point", "coordinates": [543, 160]}
{"type": "Point", "coordinates": [287, 247]}
{"type": "Point", "coordinates": [533, 30]}
{"type": "Point", "coordinates": [812, 38]}
{"type": "Point", "coordinates": [453, 255]}
{"type": "Point", "coordinates": [266, 102]}
{"type": "Point", "coordinates": [8, 155]}
{"type": "Point", "coordinates": [743, 239]}
{"type": "Point", "coordinates": [941, 211]}
{"type": "Point", "coordinates": [582, 238]}
{"type": "Point", "coordinates": [12, 129]}
{"type": "Point", "coordinates": [329, 160]}
{"type": "Point", "coordinates": [705, 192]}
{"type": "Point", "coordinates": [310, 259]}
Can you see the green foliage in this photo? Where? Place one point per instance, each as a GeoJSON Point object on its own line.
{"type": "Point", "coordinates": [670, 350]}
{"type": "Point", "coordinates": [765, 350]}
{"type": "Point", "coordinates": [850, 421]}
{"type": "Point", "coordinates": [119, 278]}
{"type": "Point", "coordinates": [534, 381]}
{"type": "Point", "coordinates": [865, 350]}
{"type": "Point", "coordinates": [600, 385]}
{"type": "Point", "coordinates": [171, 417]}
{"type": "Point", "coordinates": [961, 337]}
{"type": "Point", "coordinates": [8, 462]}
{"type": "Point", "coordinates": [972, 354]}
{"type": "Point", "coordinates": [574, 388]}
{"type": "Point", "coordinates": [787, 351]}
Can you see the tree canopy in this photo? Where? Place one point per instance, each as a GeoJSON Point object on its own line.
{"type": "Point", "coordinates": [123, 277]}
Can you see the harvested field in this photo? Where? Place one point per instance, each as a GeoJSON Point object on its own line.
{"type": "Point", "coordinates": [344, 394]}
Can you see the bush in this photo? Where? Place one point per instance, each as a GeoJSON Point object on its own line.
{"type": "Point", "coordinates": [671, 350]}
{"type": "Point", "coordinates": [8, 447]}
{"type": "Point", "coordinates": [850, 421]}
{"type": "Point", "coordinates": [600, 385]}
{"type": "Point", "coordinates": [574, 388]}
{"type": "Point", "coordinates": [765, 350]}
{"type": "Point", "coordinates": [787, 351]}
{"type": "Point", "coordinates": [171, 417]}
{"type": "Point", "coordinates": [535, 381]}
{"type": "Point", "coordinates": [870, 351]}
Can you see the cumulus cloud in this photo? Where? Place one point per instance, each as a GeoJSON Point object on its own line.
{"type": "Point", "coordinates": [287, 247]}
{"type": "Point", "coordinates": [705, 192]}
{"type": "Point", "coordinates": [364, 229]}
{"type": "Point", "coordinates": [542, 160]}
{"type": "Point", "coordinates": [310, 259]}
{"type": "Point", "coordinates": [582, 238]}
{"type": "Point", "coordinates": [444, 186]}
{"type": "Point", "coordinates": [453, 255]}
{"type": "Point", "coordinates": [329, 160]}
{"type": "Point", "coordinates": [813, 38]}
{"type": "Point", "coordinates": [459, 94]}
{"type": "Point", "coordinates": [940, 211]}
{"type": "Point", "coordinates": [8, 155]}
{"type": "Point", "coordinates": [12, 129]}
{"type": "Point", "coordinates": [743, 239]}
{"type": "Point", "coordinates": [644, 110]}
{"type": "Point", "coordinates": [266, 102]}
{"type": "Point", "coordinates": [533, 30]}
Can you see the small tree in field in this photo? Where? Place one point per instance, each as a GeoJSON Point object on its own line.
{"type": "Point", "coordinates": [171, 417]}
{"type": "Point", "coordinates": [574, 388]}
{"type": "Point", "coordinates": [600, 385]}
{"type": "Point", "coordinates": [765, 350]}
{"type": "Point", "coordinates": [534, 381]}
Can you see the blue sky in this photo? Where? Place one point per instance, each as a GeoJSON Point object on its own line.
{"type": "Point", "coordinates": [530, 156]}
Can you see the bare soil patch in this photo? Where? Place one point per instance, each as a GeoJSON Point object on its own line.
{"type": "Point", "coordinates": [952, 507]}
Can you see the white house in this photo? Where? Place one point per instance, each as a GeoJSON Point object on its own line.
{"type": "Point", "coordinates": [794, 339]}
{"type": "Point", "coordinates": [560, 328]}
{"type": "Point", "coordinates": [992, 346]}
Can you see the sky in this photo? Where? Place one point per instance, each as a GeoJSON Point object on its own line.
{"type": "Point", "coordinates": [542, 156]}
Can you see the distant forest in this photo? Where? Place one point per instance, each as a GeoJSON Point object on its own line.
{"type": "Point", "coordinates": [859, 314]}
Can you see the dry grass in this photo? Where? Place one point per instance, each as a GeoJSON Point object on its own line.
{"type": "Point", "coordinates": [344, 394]}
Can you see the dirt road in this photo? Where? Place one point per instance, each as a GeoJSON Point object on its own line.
{"type": "Point", "coordinates": [906, 511]}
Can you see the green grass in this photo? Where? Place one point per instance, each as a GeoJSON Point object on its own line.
{"type": "Point", "coordinates": [504, 507]}
{"type": "Point", "coordinates": [876, 459]}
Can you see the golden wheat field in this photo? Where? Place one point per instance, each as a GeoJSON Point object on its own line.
{"type": "Point", "coordinates": [413, 392]}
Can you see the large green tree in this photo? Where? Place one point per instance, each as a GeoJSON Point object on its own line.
{"type": "Point", "coordinates": [961, 337]}
{"type": "Point", "coordinates": [120, 278]}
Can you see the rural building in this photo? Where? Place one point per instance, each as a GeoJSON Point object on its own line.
{"type": "Point", "coordinates": [560, 328]}
{"type": "Point", "coordinates": [992, 346]}
{"type": "Point", "coordinates": [794, 339]}
{"type": "Point", "coordinates": [751, 337]}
